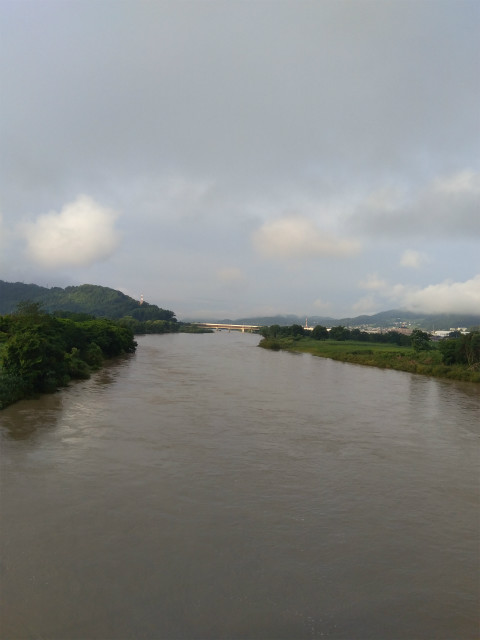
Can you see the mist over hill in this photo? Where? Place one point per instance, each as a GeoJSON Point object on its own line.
{"type": "Point", "coordinates": [87, 298]}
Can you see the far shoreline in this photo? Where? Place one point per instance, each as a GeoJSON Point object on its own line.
{"type": "Point", "coordinates": [382, 356]}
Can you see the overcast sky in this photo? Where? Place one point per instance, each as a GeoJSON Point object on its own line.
{"type": "Point", "coordinates": [232, 158]}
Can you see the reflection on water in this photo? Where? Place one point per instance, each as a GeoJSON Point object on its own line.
{"type": "Point", "coordinates": [23, 419]}
{"type": "Point", "coordinates": [207, 488]}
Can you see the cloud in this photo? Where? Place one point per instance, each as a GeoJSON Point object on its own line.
{"type": "Point", "coordinates": [366, 305]}
{"type": "Point", "coordinates": [374, 283]}
{"type": "Point", "coordinates": [187, 197]}
{"type": "Point", "coordinates": [231, 276]}
{"type": "Point", "coordinates": [206, 145]}
{"type": "Point", "coordinates": [447, 206]}
{"type": "Point", "coordinates": [413, 259]}
{"type": "Point", "coordinates": [299, 237]}
{"type": "Point", "coordinates": [322, 306]}
{"type": "Point", "coordinates": [446, 297]}
{"type": "Point", "coordinates": [80, 235]}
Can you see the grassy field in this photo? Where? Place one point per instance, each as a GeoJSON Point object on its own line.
{"type": "Point", "coordinates": [384, 356]}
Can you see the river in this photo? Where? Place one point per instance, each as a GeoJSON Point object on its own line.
{"type": "Point", "coordinates": [206, 488]}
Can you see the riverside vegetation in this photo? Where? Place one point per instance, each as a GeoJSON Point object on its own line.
{"type": "Point", "coordinates": [456, 357]}
{"type": "Point", "coordinates": [40, 352]}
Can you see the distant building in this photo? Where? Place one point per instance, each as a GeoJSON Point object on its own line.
{"type": "Point", "coordinates": [306, 327]}
{"type": "Point", "coordinates": [440, 334]}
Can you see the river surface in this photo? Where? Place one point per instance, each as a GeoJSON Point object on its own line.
{"type": "Point", "coordinates": [206, 488]}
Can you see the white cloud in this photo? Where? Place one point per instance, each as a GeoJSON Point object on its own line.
{"type": "Point", "coordinates": [466, 181]}
{"type": "Point", "coordinates": [446, 297]}
{"type": "Point", "coordinates": [374, 283]}
{"type": "Point", "coordinates": [366, 305]}
{"type": "Point", "coordinates": [413, 259]}
{"type": "Point", "coordinates": [299, 237]}
{"type": "Point", "coordinates": [80, 235]}
{"type": "Point", "coordinates": [273, 131]}
{"type": "Point", "coordinates": [231, 276]}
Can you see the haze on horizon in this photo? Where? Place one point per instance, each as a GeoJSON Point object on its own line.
{"type": "Point", "coordinates": [236, 158]}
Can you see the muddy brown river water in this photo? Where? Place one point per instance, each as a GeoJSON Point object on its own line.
{"type": "Point", "coordinates": [207, 488]}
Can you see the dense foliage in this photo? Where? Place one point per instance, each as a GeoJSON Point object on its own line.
{"type": "Point", "coordinates": [40, 352]}
{"type": "Point", "coordinates": [139, 327]}
{"type": "Point", "coordinates": [463, 349]}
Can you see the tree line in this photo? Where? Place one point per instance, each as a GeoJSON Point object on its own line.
{"type": "Point", "coordinates": [339, 332]}
{"type": "Point", "coordinates": [457, 349]}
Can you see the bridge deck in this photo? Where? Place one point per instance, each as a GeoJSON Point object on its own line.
{"type": "Point", "coordinates": [232, 327]}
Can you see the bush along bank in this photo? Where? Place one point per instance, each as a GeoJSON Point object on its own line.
{"type": "Point", "coordinates": [456, 358]}
{"type": "Point", "coordinates": [40, 352]}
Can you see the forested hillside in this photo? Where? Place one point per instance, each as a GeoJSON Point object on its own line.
{"type": "Point", "coordinates": [86, 298]}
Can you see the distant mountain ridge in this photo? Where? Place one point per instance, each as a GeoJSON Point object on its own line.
{"type": "Point", "coordinates": [86, 298]}
{"type": "Point", "coordinates": [111, 303]}
{"type": "Point", "coordinates": [383, 319]}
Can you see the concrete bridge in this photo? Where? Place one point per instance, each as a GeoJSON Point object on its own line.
{"type": "Point", "coordinates": [229, 327]}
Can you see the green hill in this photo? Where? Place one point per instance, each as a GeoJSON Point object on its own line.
{"type": "Point", "coordinates": [427, 321]}
{"type": "Point", "coordinates": [86, 298]}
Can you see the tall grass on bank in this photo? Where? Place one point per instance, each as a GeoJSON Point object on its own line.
{"type": "Point", "coordinates": [381, 355]}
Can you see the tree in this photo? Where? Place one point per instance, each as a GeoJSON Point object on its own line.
{"type": "Point", "coordinates": [420, 340]}
{"type": "Point", "coordinates": [471, 342]}
{"type": "Point", "coordinates": [274, 331]}
{"type": "Point", "coordinates": [451, 351]}
{"type": "Point", "coordinates": [297, 330]}
{"type": "Point", "coordinates": [395, 337]}
{"type": "Point", "coordinates": [319, 332]}
{"type": "Point", "coordinates": [357, 334]}
{"type": "Point", "coordinates": [110, 337]}
{"type": "Point", "coordinates": [29, 309]}
{"type": "Point", "coordinates": [462, 350]}
{"type": "Point", "coordinates": [36, 357]}
{"type": "Point", "coordinates": [339, 333]}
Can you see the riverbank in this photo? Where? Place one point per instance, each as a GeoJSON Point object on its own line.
{"type": "Point", "coordinates": [381, 355]}
{"type": "Point", "coordinates": [39, 353]}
